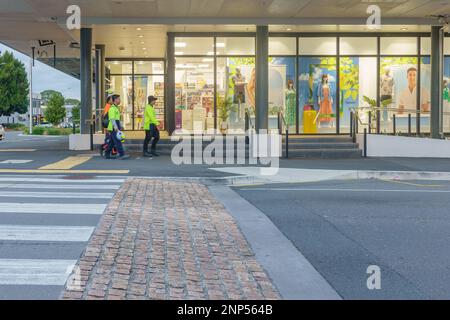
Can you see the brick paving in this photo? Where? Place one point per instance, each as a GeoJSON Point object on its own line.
{"type": "Point", "coordinates": [168, 240]}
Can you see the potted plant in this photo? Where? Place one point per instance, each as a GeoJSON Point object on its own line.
{"type": "Point", "coordinates": [224, 107]}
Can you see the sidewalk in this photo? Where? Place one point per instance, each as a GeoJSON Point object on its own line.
{"type": "Point", "coordinates": [168, 240]}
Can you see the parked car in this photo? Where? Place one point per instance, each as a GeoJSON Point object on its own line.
{"type": "Point", "coordinates": [2, 133]}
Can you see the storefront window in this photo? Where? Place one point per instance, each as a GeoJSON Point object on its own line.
{"type": "Point", "coordinates": [317, 94]}
{"type": "Point", "coordinates": [236, 82]}
{"type": "Point", "coordinates": [280, 46]}
{"type": "Point", "coordinates": [317, 46]}
{"type": "Point", "coordinates": [123, 85]}
{"type": "Point", "coordinates": [358, 46]}
{"type": "Point", "coordinates": [358, 88]}
{"type": "Point", "coordinates": [235, 46]}
{"type": "Point", "coordinates": [398, 92]}
{"type": "Point", "coordinates": [282, 91]}
{"type": "Point", "coordinates": [194, 95]}
{"type": "Point", "coordinates": [425, 46]}
{"type": "Point", "coordinates": [446, 96]}
{"type": "Point", "coordinates": [145, 86]}
{"type": "Point", "coordinates": [149, 67]}
{"type": "Point", "coordinates": [134, 89]}
{"type": "Point", "coordinates": [398, 45]}
{"type": "Point", "coordinates": [194, 46]}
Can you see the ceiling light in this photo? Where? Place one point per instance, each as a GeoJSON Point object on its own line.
{"type": "Point", "coordinates": [404, 29]}
{"type": "Point", "coordinates": [208, 60]}
{"type": "Point", "coordinates": [179, 53]}
{"type": "Point", "coordinates": [141, 36]}
{"type": "Point", "coordinates": [142, 42]}
{"type": "Point", "coordinates": [180, 44]}
{"type": "Point", "coordinates": [210, 53]}
{"type": "Point", "coordinates": [289, 29]}
{"type": "Point", "coordinates": [138, 29]}
{"type": "Point", "coordinates": [144, 49]}
{"type": "Point", "coordinates": [220, 45]}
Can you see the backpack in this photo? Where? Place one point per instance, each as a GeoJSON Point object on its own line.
{"type": "Point", "coordinates": [105, 120]}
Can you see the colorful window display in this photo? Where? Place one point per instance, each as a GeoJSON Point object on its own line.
{"type": "Point", "coordinates": [282, 91]}
{"type": "Point", "coordinates": [236, 83]}
{"type": "Point", "coordinates": [357, 88]}
{"type": "Point", "coordinates": [446, 96]}
{"type": "Point", "coordinates": [317, 93]}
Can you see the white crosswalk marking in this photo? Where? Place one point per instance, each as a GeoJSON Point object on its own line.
{"type": "Point", "coordinates": [35, 272]}
{"type": "Point", "coordinates": [45, 233]}
{"type": "Point", "coordinates": [45, 224]}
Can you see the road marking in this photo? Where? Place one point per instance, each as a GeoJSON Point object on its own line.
{"type": "Point", "coordinates": [59, 186]}
{"type": "Point", "coordinates": [38, 171]}
{"type": "Point", "coordinates": [58, 179]}
{"type": "Point", "coordinates": [66, 164]}
{"type": "Point", "coordinates": [412, 184]}
{"type": "Point", "coordinates": [45, 233]}
{"type": "Point", "coordinates": [35, 272]}
{"type": "Point", "coordinates": [344, 190]}
{"type": "Point", "coordinates": [59, 195]}
{"type": "Point", "coordinates": [15, 161]}
{"type": "Point", "coordinates": [17, 150]}
{"type": "Point", "coordinates": [52, 208]}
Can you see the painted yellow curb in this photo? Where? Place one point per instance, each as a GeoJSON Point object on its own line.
{"type": "Point", "coordinates": [64, 171]}
{"type": "Point", "coordinates": [66, 164]}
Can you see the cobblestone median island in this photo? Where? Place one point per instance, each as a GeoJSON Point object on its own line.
{"type": "Point", "coordinates": [168, 240]}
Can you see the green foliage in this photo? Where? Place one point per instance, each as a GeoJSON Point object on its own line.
{"type": "Point", "coordinates": [76, 114]}
{"type": "Point", "coordinates": [224, 107]}
{"type": "Point", "coordinates": [15, 126]}
{"type": "Point", "coordinates": [38, 131]}
{"type": "Point", "coordinates": [47, 94]}
{"type": "Point", "coordinates": [13, 85]}
{"type": "Point", "coordinates": [349, 79]}
{"type": "Point", "coordinates": [55, 111]}
{"type": "Point", "coordinates": [73, 102]}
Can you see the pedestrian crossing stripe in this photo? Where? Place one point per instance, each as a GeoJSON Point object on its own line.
{"type": "Point", "coordinates": [45, 233]}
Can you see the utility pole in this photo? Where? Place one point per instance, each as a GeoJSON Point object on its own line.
{"type": "Point", "coordinates": [31, 92]}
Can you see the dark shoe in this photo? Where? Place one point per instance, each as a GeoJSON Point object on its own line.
{"type": "Point", "coordinates": [124, 157]}
{"type": "Point", "coordinates": [147, 155]}
{"type": "Point", "coordinates": [155, 154]}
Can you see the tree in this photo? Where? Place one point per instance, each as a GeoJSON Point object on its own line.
{"type": "Point", "coordinates": [73, 102]}
{"type": "Point", "coordinates": [55, 111]}
{"type": "Point", "coordinates": [76, 114]}
{"type": "Point", "coordinates": [13, 85]}
{"type": "Point", "coordinates": [47, 94]}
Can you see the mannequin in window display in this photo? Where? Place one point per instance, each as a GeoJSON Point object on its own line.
{"type": "Point", "coordinates": [251, 90]}
{"type": "Point", "coordinates": [290, 96]}
{"type": "Point", "coordinates": [386, 88]}
{"type": "Point", "coordinates": [446, 105]}
{"type": "Point", "coordinates": [239, 91]}
{"type": "Point", "coordinates": [325, 99]}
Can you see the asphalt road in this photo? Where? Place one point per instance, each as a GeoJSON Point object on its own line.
{"type": "Point", "coordinates": [342, 228]}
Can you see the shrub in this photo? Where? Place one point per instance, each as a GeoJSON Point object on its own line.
{"type": "Point", "coordinates": [38, 131]}
{"type": "Point", "coordinates": [15, 126]}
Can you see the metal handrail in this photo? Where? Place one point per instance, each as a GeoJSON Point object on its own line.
{"type": "Point", "coordinates": [281, 122]}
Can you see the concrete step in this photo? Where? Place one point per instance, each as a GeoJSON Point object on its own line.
{"type": "Point", "coordinates": [316, 145]}
{"type": "Point", "coordinates": [314, 139]}
{"type": "Point", "coordinates": [325, 153]}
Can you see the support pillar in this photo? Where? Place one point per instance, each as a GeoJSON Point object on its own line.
{"type": "Point", "coordinates": [100, 82]}
{"type": "Point", "coordinates": [170, 84]}
{"type": "Point", "coordinates": [437, 67]}
{"type": "Point", "coordinates": [262, 78]}
{"type": "Point", "coordinates": [85, 79]}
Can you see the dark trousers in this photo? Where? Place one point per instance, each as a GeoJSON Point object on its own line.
{"type": "Point", "coordinates": [117, 144]}
{"type": "Point", "coordinates": [153, 133]}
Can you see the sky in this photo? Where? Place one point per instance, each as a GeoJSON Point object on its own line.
{"type": "Point", "coordinates": [48, 78]}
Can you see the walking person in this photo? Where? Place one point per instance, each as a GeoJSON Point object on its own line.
{"type": "Point", "coordinates": [115, 128]}
{"type": "Point", "coordinates": [151, 128]}
{"type": "Point", "coordinates": [108, 144]}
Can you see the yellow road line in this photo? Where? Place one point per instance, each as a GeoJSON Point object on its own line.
{"type": "Point", "coordinates": [66, 164]}
{"type": "Point", "coordinates": [413, 184]}
{"type": "Point", "coordinates": [17, 150]}
{"type": "Point", "coordinates": [64, 171]}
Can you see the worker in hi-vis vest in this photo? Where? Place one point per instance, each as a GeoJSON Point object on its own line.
{"type": "Point", "coordinates": [151, 128]}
